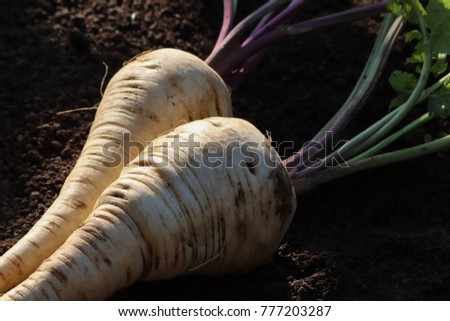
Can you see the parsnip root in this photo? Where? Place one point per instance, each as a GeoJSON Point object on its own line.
{"type": "Point", "coordinates": [149, 96]}
{"type": "Point", "coordinates": [165, 216]}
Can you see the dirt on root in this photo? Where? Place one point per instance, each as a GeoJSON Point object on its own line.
{"type": "Point", "coordinates": [379, 235]}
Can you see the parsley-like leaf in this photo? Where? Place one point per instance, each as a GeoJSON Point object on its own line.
{"type": "Point", "coordinates": [439, 24]}
{"type": "Point", "coordinates": [439, 102]}
{"type": "Point", "coordinates": [440, 64]}
{"type": "Point", "coordinates": [403, 82]}
{"type": "Point", "coordinates": [413, 35]}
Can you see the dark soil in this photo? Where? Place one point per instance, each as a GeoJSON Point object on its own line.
{"type": "Point", "coordinates": [379, 235]}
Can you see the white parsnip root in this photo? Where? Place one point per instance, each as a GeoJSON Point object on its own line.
{"type": "Point", "coordinates": [175, 211]}
{"type": "Point", "coordinates": [150, 95]}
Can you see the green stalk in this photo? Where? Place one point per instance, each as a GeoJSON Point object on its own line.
{"type": "Point", "coordinates": [306, 183]}
{"type": "Point", "coordinates": [430, 90]}
{"type": "Point", "coordinates": [386, 36]}
{"type": "Point", "coordinates": [378, 125]}
{"type": "Point", "coordinates": [360, 153]}
{"type": "Point", "coordinates": [355, 146]}
{"type": "Point", "coordinates": [392, 138]}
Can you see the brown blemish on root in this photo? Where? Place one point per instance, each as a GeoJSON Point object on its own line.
{"type": "Point", "coordinates": [94, 231]}
{"type": "Point", "coordinates": [33, 243]}
{"type": "Point", "coordinates": [173, 82]}
{"type": "Point", "coordinates": [282, 192]}
{"type": "Point", "coordinates": [217, 103]}
{"type": "Point", "coordinates": [45, 294]}
{"type": "Point", "coordinates": [131, 78]}
{"type": "Point", "coordinates": [134, 99]}
{"type": "Point", "coordinates": [148, 263]}
{"type": "Point", "coordinates": [83, 181]}
{"type": "Point", "coordinates": [19, 294]}
{"type": "Point", "coordinates": [66, 259]}
{"type": "Point", "coordinates": [118, 194]}
{"type": "Point", "coordinates": [94, 167]}
{"type": "Point", "coordinates": [18, 258]}
{"type": "Point", "coordinates": [251, 167]}
{"type": "Point", "coordinates": [128, 274]}
{"type": "Point", "coordinates": [136, 86]}
{"type": "Point", "coordinates": [104, 217]}
{"type": "Point", "coordinates": [153, 117]}
{"type": "Point", "coordinates": [157, 261]}
{"type": "Point", "coordinates": [58, 274]}
{"type": "Point", "coordinates": [62, 218]}
{"type": "Point", "coordinates": [75, 204]}
{"type": "Point", "coordinates": [123, 186]}
{"type": "Point", "coordinates": [242, 228]}
{"type": "Point", "coordinates": [107, 261]}
{"type": "Point", "coordinates": [88, 240]}
{"type": "Point", "coordinates": [81, 249]}
{"type": "Point", "coordinates": [134, 227]}
{"type": "Point", "coordinates": [222, 231]}
{"type": "Point", "coordinates": [55, 290]}
{"type": "Point", "coordinates": [26, 286]}
{"type": "Point", "coordinates": [185, 107]}
{"type": "Point", "coordinates": [240, 195]}
{"type": "Point", "coordinates": [54, 225]}
{"type": "Point", "coordinates": [152, 66]}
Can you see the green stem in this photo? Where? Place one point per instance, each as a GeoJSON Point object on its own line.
{"type": "Point", "coordinates": [427, 92]}
{"type": "Point", "coordinates": [306, 183]}
{"type": "Point", "coordinates": [366, 82]}
{"type": "Point", "coordinates": [425, 118]}
{"type": "Point", "coordinates": [378, 125]}
{"type": "Point", "coordinates": [392, 138]}
{"type": "Point", "coordinates": [362, 142]}
{"type": "Point", "coordinates": [310, 170]}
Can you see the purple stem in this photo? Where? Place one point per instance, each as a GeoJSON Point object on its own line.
{"type": "Point", "coordinates": [222, 59]}
{"type": "Point", "coordinates": [332, 19]}
{"type": "Point", "coordinates": [262, 22]}
{"type": "Point", "coordinates": [238, 76]}
{"type": "Point", "coordinates": [228, 20]}
{"type": "Point", "coordinates": [266, 24]}
{"type": "Point", "coordinates": [341, 119]}
{"type": "Point", "coordinates": [276, 21]}
{"type": "Point", "coordinates": [277, 34]}
{"type": "Point", "coordinates": [298, 161]}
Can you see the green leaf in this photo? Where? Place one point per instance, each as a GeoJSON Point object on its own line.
{"type": "Point", "coordinates": [395, 7]}
{"type": "Point", "coordinates": [446, 83]}
{"type": "Point", "coordinates": [422, 10]}
{"type": "Point", "coordinates": [403, 82]}
{"type": "Point", "coordinates": [439, 102]}
{"type": "Point", "coordinates": [399, 100]}
{"type": "Point", "coordinates": [440, 64]}
{"type": "Point", "coordinates": [398, 7]}
{"type": "Point", "coordinates": [408, 12]}
{"type": "Point", "coordinates": [417, 57]}
{"type": "Point", "coordinates": [439, 24]}
{"type": "Point", "coordinates": [413, 35]}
